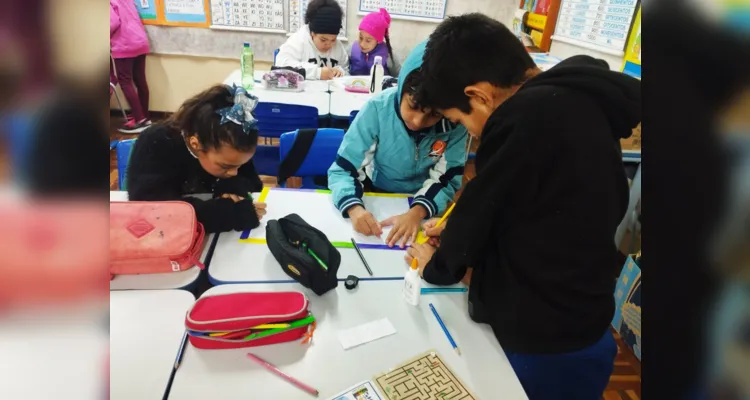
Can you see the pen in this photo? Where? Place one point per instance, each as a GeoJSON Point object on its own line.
{"type": "Point", "coordinates": [361, 257]}
{"type": "Point", "coordinates": [265, 364]}
{"type": "Point", "coordinates": [444, 290]}
{"type": "Point", "coordinates": [447, 334]}
{"type": "Point", "coordinates": [181, 352]}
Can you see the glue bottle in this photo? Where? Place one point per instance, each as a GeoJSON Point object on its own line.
{"type": "Point", "coordinates": [376, 75]}
{"type": "Point", "coordinates": [412, 284]}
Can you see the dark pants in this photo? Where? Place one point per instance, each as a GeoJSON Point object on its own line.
{"type": "Point", "coordinates": [131, 74]}
{"type": "Point", "coordinates": [579, 375]}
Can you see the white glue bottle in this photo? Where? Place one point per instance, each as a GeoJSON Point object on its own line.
{"type": "Point", "coordinates": [376, 75]}
{"type": "Point", "coordinates": [413, 284]}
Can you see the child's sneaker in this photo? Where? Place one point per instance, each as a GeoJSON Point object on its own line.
{"type": "Point", "coordinates": [133, 127]}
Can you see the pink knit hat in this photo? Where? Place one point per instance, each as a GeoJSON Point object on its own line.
{"type": "Point", "coordinates": [376, 24]}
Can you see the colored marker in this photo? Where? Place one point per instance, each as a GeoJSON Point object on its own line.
{"type": "Point", "coordinates": [265, 364]}
{"type": "Point", "coordinates": [315, 256]}
{"type": "Point", "coordinates": [444, 290]}
{"type": "Point", "coordinates": [295, 324]}
{"type": "Point", "coordinates": [271, 326]}
{"type": "Point", "coordinates": [445, 330]}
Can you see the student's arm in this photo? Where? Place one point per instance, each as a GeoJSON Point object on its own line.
{"type": "Point", "coordinates": [347, 173]}
{"type": "Point", "coordinates": [290, 55]}
{"type": "Point", "coordinates": [114, 18]}
{"type": "Point", "coordinates": [445, 176]}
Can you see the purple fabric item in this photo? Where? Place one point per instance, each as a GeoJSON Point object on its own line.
{"type": "Point", "coordinates": [360, 63]}
{"type": "Point", "coordinates": [127, 36]}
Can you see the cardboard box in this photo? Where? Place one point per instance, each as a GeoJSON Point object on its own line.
{"type": "Point", "coordinates": [627, 319]}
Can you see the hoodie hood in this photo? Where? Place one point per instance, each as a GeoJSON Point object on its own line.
{"type": "Point", "coordinates": [617, 93]}
{"type": "Point", "coordinates": [412, 62]}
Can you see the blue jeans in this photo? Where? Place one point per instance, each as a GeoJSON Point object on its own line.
{"type": "Point", "coordinates": [579, 375]}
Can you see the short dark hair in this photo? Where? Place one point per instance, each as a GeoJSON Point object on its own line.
{"type": "Point", "coordinates": [411, 86]}
{"type": "Point", "coordinates": [315, 5]}
{"type": "Point", "coordinates": [197, 117]}
{"type": "Point", "coordinates": [465, 50]}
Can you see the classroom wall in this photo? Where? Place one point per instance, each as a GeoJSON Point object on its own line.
{"type": "Point", "coordinates": [173, 78]}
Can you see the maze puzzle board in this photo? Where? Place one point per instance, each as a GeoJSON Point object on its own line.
{"type": "Point", "coordinates": [425, 377]}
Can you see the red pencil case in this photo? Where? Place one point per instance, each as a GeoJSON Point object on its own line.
{"type": "Point", "coordinates": [234, 313]}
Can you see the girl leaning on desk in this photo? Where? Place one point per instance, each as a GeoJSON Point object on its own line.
{"type": "Point", "coordinates": [205, 147]}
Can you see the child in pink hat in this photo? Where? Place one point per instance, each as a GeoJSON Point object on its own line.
{"type": "Point", "coordinates": [373, 41]}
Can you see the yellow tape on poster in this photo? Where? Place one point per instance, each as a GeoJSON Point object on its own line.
{"type": "Point", "coordinates": [632, 63]}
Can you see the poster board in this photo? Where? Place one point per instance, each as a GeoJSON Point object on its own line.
{"type": "Point", "coordinates": [189, 13]}
{"type": "Point", "coordinates": [413, 10]}
{"type": "Point", "coordinates": [317, 209]}
{"type": "Point", "coordinates": [600, 25]}
{"type": "Point", "coordinates": [248, 15]}
{"type": "Point", "coordinates": [632, 64]}
{"type": "Point", "coordinates": [297, 9]}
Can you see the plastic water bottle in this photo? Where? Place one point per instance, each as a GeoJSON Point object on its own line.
{"type": "Point", "coordinates": [246, 67]}
{"type": "Point", "coordinates": [376, 75]}
{"type": "Point", "coordinates": [412, 284]}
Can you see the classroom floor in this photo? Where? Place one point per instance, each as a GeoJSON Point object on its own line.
{"type": "Point", "coordinates": [625, 382]}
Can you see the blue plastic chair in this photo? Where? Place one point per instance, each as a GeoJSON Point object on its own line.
{"type": "Point", "coordinates": [320, 157]}
{"type": "Point", "coordinates": [273, 120]}
{"type": "Point", "coordinates": [352, 115]}
{"type": "Point", "coordinates": [18, 128]}
{"type": "Point", "coordinates": [275, 53]}
{"type": "Point", "coordinates": [123, 157]}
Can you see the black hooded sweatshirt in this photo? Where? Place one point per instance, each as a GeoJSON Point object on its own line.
{"type": "Point", "coordinates": [162, 168]}
{"type": "Point", "coordinates": [537, 223]}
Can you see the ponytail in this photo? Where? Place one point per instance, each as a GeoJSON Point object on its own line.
{"type": "Point", "coordinates": [390, 49]}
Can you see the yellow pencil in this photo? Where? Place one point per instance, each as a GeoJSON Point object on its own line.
{"type": "Point", "coordinates": [271, 326]}
{"type": "Point", "coordinates": [422, 237]}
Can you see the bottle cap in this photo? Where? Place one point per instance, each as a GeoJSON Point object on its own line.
{"type": "Point", "coordinates": [246, 44]}
{"type": "Point", "coordinates": [378, 60]}
{"type": "Point", "coordinates": [414, 263]}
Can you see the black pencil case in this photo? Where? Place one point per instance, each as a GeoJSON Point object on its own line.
{"type": "Point", "coordinates": [291, 241]}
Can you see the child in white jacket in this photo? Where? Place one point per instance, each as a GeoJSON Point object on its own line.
{"type": "Point", "coordinates": [315, 46]}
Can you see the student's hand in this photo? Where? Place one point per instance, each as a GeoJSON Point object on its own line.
{"type": "Point", "coordinates": [327, 73]}
{"type": "Point", "coordinates": [466, 280]}
{"type": "Point", "coordinates": [234, 197]}
{"type": "Point", "coordinates": [405, 226]}
{"type": "Point", "coordinates": [430, 230]}
{"type": "Point", "coordinates": [338, 72]}
{"type": "Point", "coordinates": [260, 209]}
{"type": "Point", "coordinates": [422, 252]}
{"type": "Point", "coordinates": [364, 222]}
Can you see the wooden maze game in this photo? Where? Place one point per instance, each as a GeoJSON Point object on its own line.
{"type": "Point", "coordinates": [425, 377]}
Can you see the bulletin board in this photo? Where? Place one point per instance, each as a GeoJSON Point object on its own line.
{"type": "Point", "coordinates": [297, 9]}
{"type": "Point", "coordinates": [190, 13]}
{"type": "Point", "coordinates": [414, 10]}
{"type": "Point", "coordinates": [248, 15]}
{"type": "Point", "coordinates": [596, 25]}
{"type": "Point", "coordinates": [632, 64]}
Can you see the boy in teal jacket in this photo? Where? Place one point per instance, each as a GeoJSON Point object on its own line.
{"type": "Point", "coordinates": [396, 146]}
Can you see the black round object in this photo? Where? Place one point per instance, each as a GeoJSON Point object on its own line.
{"type": "Point", "coordinates": [351, 282]}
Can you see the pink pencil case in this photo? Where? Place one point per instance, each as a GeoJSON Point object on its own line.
{"type": "Point", "coordinates": [237, 312]}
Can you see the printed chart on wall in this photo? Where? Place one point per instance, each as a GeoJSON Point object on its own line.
{"type": "Point", "coordinates": [415, 10]}
{"type": "Point", "coordinates": [146, 10]}
{"type": "Point", "coordinates": [297, 9]}
{"type": "Point", "coordinates": [248, 15]}
{"type": "Point", "coordinates": [601, 25]}
{"type": "Point", "coordinates": [185, 13]}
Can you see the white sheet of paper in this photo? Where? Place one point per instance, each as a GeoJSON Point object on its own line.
{"type": "Point", "coordinates": [365, 333]}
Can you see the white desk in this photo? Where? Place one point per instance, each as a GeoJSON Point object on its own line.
{"type": "Point", "coordinates": [324, 365]}
{"type": "Point", "coordinates": [169, 280]}
{"type": "Point", "coordinates": [310, 85]}
{"type": "Point", "coordinates": [343, 103]}
{"type": "Point", "coordinates": [146, 330]}
{"type": "Point", "coordinates": [239, 262]}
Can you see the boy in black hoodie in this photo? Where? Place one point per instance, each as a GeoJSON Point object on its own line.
{"type": "Point", "coordinates": [533, 233]}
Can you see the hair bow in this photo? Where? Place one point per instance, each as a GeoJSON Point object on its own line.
{"type": "Point", "coordinates": [241, 113]}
